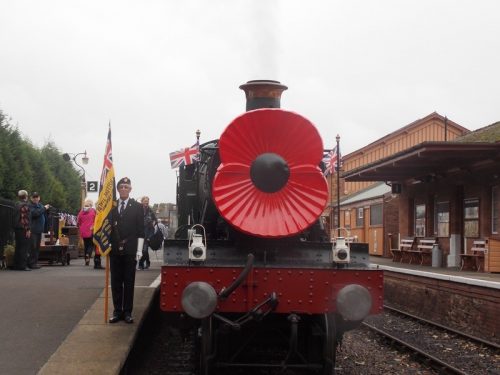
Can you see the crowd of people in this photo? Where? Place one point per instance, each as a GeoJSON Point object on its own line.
{"type": "Point", "coordinates": [29, 223]}
{"type": "Point", "coordinates": [133, 225]}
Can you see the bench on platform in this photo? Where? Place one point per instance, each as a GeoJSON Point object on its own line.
{"type": "Point", "coordinates": [424, 249]}
{"type": "Point", "coordinates": [474, 258]}
{"type": "Point", "coordinates": [405, 245]}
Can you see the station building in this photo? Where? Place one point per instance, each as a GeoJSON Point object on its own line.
{"type": "Point", "coordinates": [368, 210]}
{"type": "Point", "coordinates": [448, 190]}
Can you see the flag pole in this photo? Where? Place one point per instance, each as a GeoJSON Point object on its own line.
{"type": "Point", "coordinates": [331, 205]}
{"type": "Point", "coordinates": [338, 184]}
{"type": "Point", "coordinates": [106, 290]}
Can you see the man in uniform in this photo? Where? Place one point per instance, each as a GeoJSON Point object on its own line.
{"type": "Point", "coordinates": [127, 239]}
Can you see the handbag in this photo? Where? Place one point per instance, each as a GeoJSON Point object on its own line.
{"type": "Point", "coordinates": [156, 240]}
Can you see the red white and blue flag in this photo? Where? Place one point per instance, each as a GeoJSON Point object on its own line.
{"type": "Point", "coordinates": [331, 160]}
{"type": "Point", "coordinates": [186, 156]}
{"type": "Point", "coordinates": [105, 201]}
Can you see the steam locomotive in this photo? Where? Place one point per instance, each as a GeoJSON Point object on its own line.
{"type": "Point", "coordinates": [251, 267]}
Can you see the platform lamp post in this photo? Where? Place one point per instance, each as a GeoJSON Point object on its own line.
{"type": "Point", "coordinates": [83, 183]}
{"type": "Point", "coordinates": [337, 168]}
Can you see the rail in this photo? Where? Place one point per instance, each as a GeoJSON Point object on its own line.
{"type": "Point", "coordinates": [448, 368]}
{"type": "Point", "coordinates": [460, 333]}
{"type": "Point", "coordinates": [445, 349]}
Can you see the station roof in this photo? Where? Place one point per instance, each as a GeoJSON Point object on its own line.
{"type": "Point", "coordinates": [429, 159]}
{"type": "Point", "coordinates": [374, 191]}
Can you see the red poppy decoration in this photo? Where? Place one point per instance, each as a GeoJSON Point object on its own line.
{"type": "Point", "coordinates": [269, 183]}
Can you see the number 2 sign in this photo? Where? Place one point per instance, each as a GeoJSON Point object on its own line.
{"type": "Point", "coordinates": [92, 186]}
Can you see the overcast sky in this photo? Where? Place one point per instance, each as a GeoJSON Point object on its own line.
{"type": "Point", "coordinates": [160, 70]}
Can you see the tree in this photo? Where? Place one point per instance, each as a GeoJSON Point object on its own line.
{"type": "Point", "coordinates": [23, 166]}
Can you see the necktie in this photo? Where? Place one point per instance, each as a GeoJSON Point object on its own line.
{"type": "Point", "coordinates": [122, 207]}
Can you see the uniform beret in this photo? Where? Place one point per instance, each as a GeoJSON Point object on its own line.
{"type": "Point", "coordinates": [124, 180]}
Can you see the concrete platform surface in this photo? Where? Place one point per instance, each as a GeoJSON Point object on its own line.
{"type": "Point", "coordinates": [97, 347]}
{"type": "Point", "coordinates": [486, 279]}
{"type": "Point", "coordinates": [40, 309]}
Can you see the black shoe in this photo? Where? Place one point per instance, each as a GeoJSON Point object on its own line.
{"type": "Point", "coordinates": [115, 318]}
{"type": "Point", "coordinates": [22, 269]}
{"type": "Point", "coordinates": [35, 267]}
{"type": "Point", "coordinates": [128, 319]}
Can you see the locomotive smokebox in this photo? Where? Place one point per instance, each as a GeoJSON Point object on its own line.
{"type": "Point", "coordinates": [263, 94]}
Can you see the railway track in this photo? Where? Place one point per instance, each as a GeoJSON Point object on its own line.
{"type": "Point", "coordinates": [447, 350]}
{"type": "Point", "coordinates": [163, 350]}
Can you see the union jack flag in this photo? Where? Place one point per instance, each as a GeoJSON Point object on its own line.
{"type": "Point", "coordinates": [331, 159]}
{"type": "Point", "coordinates": [104, 205]}
{"type": "Point", "coordinates": [186, 156]}
{"type": "Point", "coordinates": [108, 159]}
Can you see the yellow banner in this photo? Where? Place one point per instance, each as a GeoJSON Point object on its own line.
{"type": "Point", "coordinates": [105, 203]}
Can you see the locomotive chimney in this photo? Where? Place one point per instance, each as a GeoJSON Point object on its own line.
{"type": "Point", "coordinates": [263, 94]}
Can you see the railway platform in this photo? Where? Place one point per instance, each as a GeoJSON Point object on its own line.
{"type": "Point", "coordinates": [451, 273]}
{"type": "Point", "coordinates": [467, 301]}
{"type": "Point", "coordinates": [52, 320]}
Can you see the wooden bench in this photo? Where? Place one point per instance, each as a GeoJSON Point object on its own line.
{"type": "Point", "coordinates": [424, 249]}
{"type": "Point", "coordinates": [405, 245]}
{"type": "Point", "coordinates": [474, 259]}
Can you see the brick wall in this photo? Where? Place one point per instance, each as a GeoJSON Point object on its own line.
{"type": "Point", "coordinates": [470, 308]}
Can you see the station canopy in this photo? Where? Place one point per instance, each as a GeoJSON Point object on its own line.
{"type": "Point", "coordinates": [429, 160]}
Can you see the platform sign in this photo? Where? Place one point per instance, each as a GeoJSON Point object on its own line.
{"type": "Point", "coordinates": [92, 186]}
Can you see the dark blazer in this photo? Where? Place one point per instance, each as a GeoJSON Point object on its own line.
{"type": "Point", "coordinates": [127, 227]}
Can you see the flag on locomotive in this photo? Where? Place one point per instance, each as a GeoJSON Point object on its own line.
{"type": "Point", "coordinates": [185, 156]}
{"type": "Point", "coordinates": [104, 205]}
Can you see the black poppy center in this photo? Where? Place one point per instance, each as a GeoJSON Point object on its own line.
{"type": "Point", "coordinates": [269, 172]}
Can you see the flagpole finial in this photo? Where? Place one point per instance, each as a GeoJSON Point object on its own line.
{"type": "Point", "coordinates": [198, 133]}
{"type": "Point", "coordinates": [337, 137]}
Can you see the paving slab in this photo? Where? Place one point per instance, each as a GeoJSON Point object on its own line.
{"type": "Point", "coordinates": [39, 310]}
{"type": "Point", "coordinates": [97, 347]}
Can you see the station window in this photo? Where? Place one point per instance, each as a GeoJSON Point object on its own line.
{"type": "Point", "coordinates": [442, 219]}
{"type": "Point", "coordinates": [471, 217]}
{"type": "Point", "coordinates": [360, 222]}
{"type": "Point", "coordinates": [376, 214]}
{"type": "Point", "coordinates": [420, 220]}
{"type": "Point", "coordinates": [347, 219]}
{"type": "Point", "coordinates": [495, 209]}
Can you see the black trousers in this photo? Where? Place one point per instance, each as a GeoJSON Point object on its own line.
{"type": "Point", "coordinates": [144, 261]}
{"type": "Point", "coordinates": [36, 239]}
{"type": "Point", "coordinates": [88, 245]}
{"type": "Point", "coordinates": [122, 269]}
{"type": "Point", "coordinates": [23, 245]}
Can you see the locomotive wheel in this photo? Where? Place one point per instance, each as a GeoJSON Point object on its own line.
{"type": "Point", "coordinates": [205, 346]}
{"type": "Point", "coordinates": [321, 343]}
{"type": "Point", "coordinates": [330, 344]}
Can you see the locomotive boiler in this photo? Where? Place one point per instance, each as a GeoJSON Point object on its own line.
{"type": "Point", "coordinates": [251, 267]}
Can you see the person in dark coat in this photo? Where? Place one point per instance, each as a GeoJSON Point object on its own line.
{"type": "Point", "coordinates": [37, 227]}
{"type": "Point", "coordinates": [127, 240]}
{"type": "Point", "coordinates": [149, 230]}
{"type": "Point", "coordinates": [22, 229]}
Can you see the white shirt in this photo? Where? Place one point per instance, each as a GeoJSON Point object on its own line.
{"type": "Point", "coordinates": [120, 203]}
